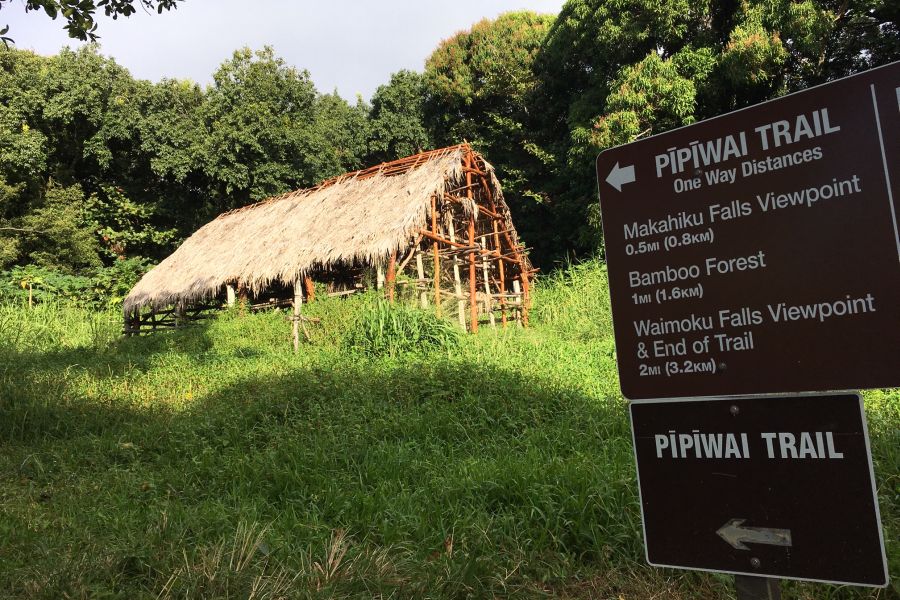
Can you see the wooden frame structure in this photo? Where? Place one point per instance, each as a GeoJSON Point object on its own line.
{"type": "Point", "coordinates": [463, 258]}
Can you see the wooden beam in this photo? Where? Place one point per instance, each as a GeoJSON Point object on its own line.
{"type": "Point", "coordinates": [420, 271]}
{"type": "Point", "coordinates": [457, 280]}
{"type": "Point", "coordinates": [295, 321]}
{"type": "Point", "coordinates": [487, 283]}
{"type": "Point", "coordinates": [437, 259]}
{"type": "Point", "coordinates": [473, 306]}
{"type": "Point", "coordinates": [391, 276]}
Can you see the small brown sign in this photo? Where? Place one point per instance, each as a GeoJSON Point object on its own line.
{"type": "Point", "coordinates": [758, 252]}
{"type": "Point", "coordinates": [772, 486]}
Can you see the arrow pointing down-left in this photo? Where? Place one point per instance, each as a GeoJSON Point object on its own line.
{"type": "Point", "coordinates": [619, 176]}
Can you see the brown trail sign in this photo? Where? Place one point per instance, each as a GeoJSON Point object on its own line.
{"type": "Point", "coordinates": [758, 252]}
{"type": "Point", "coordinates": [761, 486]}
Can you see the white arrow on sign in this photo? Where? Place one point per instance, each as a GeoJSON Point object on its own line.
{"type": "Point", "coordinates": [735, 535]}
{"type": "Point", "coordinates": [619, 176]}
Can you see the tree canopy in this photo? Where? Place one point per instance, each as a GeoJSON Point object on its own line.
{"type": "Point", "coordinates": [79, 14]}
{"type": "Point", "coordinates": [98, 169]}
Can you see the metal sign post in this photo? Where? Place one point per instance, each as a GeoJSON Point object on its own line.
{"type": "Point", "coordinates": [757, 588]}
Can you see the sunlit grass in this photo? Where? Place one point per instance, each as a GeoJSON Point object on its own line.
{"type": "Point", "coordinates": [214, 462]}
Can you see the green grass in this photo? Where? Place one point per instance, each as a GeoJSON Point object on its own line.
{"type": "Point", "coordinates": [213, 462]}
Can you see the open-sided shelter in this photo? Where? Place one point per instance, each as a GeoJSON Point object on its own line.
{"type": "Point", "coordinates": [434, 223]}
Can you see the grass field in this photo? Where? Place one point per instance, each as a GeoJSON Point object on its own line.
{"type": "Point", "coordinates": [212, 462]}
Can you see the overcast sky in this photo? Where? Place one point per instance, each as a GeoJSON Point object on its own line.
{"type": "Point", "coordinates": [350, 45]}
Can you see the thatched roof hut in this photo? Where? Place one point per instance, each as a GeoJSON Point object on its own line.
{"type": "Point", "coordinates": [416, 204]}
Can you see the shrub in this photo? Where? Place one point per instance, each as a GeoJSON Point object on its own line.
{"type": "Point", "coordinates": [394, 329]}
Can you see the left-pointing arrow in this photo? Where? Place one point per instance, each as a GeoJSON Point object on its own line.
{"type": "Point", "coordinates": [736, 536]}
{"type": "Point", "coordinates": [619, 176]}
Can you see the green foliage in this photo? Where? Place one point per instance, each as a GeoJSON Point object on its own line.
{"type": "Point", "coordinates": [540, 96]}
{"type": "Point", "coordinates": [646, 97]}
{"type": "Point", "coordinates": [394, 330]}
{"type": "Point", "coordinates": [397, 119]}
{"type": "Point", "coordinates": [110, 285]}
{"type": "Point", "coordinates": [102, 287]}
{"type": "Point", "coordinates": [340, 132]}
{"type": "Point", "coordinates": [79, 14]}
{"type": "Point", "coordinates": [57, 236]}
{"type": "Point", "coordinates": [34, 284]}
{"type": "Point", "coordinates": [610, 71]}
{"type": "Point", "coordinates": [258, 113]}
{"type": "Point", "coordinates": [479, 86]}
{"type": "Point", "coordinates": [124, 225]}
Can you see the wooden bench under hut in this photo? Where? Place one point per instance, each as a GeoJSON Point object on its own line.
{"type": "Point", "coordinates": [432, 228]}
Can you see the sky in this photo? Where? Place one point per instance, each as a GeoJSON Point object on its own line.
{"type": "Point", "coordinates": [349, 45]}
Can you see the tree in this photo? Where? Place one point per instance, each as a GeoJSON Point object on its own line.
{"type": "Point", "coordinates": [79, 14]}
{"type": "Point", "coordinates": [397, 118]}
{"type": "Point", "coordinates": [260, 139]}
{"type": "Point", "coordinates": [615, 70]}
{"type": "Point", "coordinates": [75, 121]}
{"type": "Point", "coordinates": [58, 236]}
{"type": "Point", "coordinates": [479, 85]}
{"type": "Point", "coordinates": [340, 135]}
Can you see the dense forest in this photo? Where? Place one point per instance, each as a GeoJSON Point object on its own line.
{"type": "Point", "coordinates": [102, 174]}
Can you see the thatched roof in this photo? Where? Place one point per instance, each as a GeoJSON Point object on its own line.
{"type": "Point", "coordinates": [359, 217]}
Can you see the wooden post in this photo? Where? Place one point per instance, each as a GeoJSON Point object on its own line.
{"type": "Point", "coordinates": [750, 587]}
{"type": "Point", "coordinates": [501, 268]}
{"type": "Point", "coordinates": [391, 276]}
{"type": "Point", "coordinates": [243, 297]}
{"type": "Point", "coordinates": [487, 282]}
{"type": "Point", "coordinates": [437, 258]}
{"type": "Point", "coordinates": [519, 257]}
{"type": "Point", "coordinates": [457, 280]}
{"type": "Point", "coordinates": [526, 296]}
{"type": "Point", "coordinates": [473, 306]}
{"type": "Point", "coordinates": [379, 276]}
{"type": "Point", "coordinates": [229, 294]}
{"type": "Point", "coordinates": [420, 271]}
{"type": "Point", "coordinates": [298, 301]}
{"type": "Point", "coordinates": [517, 289]}
{"type": "Point", "coordinates": [310, 287]}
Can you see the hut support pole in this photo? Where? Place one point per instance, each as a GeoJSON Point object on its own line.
{"type": "Point", "coordinates": [295, 321]}
{"type": "Point", "coordinates": [243, 297]}
{"type": "Point", "coordinates": [229, 294]}
{"type": "Point", "coordinates": [487, 282]}
{"type": "Point", "coordinates": [501, 268]}
{"type": "Point", "coordinates": [518, 291]}
{"type": "Point", "coordinates": [391, 276]}
{"type": "Point", "coordinates": [420, 271]}
{"type": "Point", "coordinates": [473, 306]}
{"type": "Point", "coordinates": [437, 258]}
{"type": "Point", "coordinates": [457, 280]}
{"type": "Point", "coordinates": [523, 310]}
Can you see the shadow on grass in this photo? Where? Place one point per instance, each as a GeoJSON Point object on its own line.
{"type": "Point", "coordinates": [443, 476]}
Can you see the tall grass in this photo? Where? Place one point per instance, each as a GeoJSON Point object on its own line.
{"type": "Point", "coordinates": [393, 330]}
{"type": "Point", "coordinates": [213, 462]}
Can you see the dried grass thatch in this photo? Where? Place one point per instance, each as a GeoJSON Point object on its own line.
{"type": "Point", "coordinates": [360, 217]}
